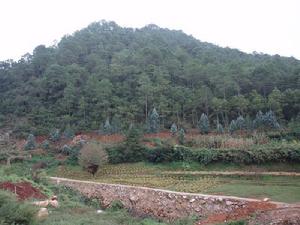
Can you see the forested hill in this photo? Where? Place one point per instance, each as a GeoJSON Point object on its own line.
{"type": "Point", "coordinates": [106, 71]}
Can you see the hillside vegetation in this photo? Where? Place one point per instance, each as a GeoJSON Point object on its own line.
{"type": "Point", "coordinates": [105, 72]}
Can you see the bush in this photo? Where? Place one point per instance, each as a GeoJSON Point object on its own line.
{"type": "Point", "coordinates": [66, 149]}
{"type": "Point", "coordinates": [55, 135]}
{"type": "Point", "coordinates": [14, 212]}
{"type": "Point", "coordinates": [256, 154]}
{"type": "Point", "coordinates": [92, 154]}
{"type": "Point", "coordinates": [45, 145]}
{"type": "Point", "coordinates": [69, 132]}
{"type": "Point", "coordinates": [116, 205]}
{"type": "Point", "coordinates": [203, 124]}
{"type": "Point", "coordinates": [129, 151]}
{"type": "Point", "coordinates": [30, 143]}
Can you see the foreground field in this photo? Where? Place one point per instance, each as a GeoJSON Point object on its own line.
{"type": "Point", "coordinates": [278, 188]}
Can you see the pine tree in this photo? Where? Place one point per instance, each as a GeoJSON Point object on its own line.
{"type": "Point", "coordinates": [181, 137]}
{"type": "Point", "coordinates": [259, 120]}
{"type": "Point", "coordinates": [248, 123]}
{"type": "Point", "coordinates": [232, 126]}
{"type": "Point", "coordinates": [154, 121]}
{"type": "Point", "coordinates": [107, 127]}
{"type": "Point", "coordinates": [173, 129]}
{"type": "Point", "coordinates": [55, 135]}
{"type": "Point", "coordinates": [203, 124]}
{"type": "Point", "coordinates": [115, 125]}
{"type": "Point", "coordinates": [270, 120]}
{"type": "Point", "coordinates": [240, 123]}
{"type": "Point", "coordinates": [220, 128]}
{"type": "Point", "coordinates": [69, 133]}
{"type": "Point", "coordinates": [30, 143]}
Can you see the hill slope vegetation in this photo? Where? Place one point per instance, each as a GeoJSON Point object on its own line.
{"type": "Point", "coordinates": [106, 71]}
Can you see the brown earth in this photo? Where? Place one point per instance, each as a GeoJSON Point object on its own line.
{"type": "Point", "coordinates": [23, 190]}
{"type": "Point", "coordinates": [239, 213]}
{"type": "Point", "coordinates": [282, 216]}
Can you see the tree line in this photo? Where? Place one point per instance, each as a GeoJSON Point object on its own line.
{"type": "Point", "coordinates": [106, 72]}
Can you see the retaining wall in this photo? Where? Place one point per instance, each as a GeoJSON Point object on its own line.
{"type": "Point", "coordinates": [162, 204]}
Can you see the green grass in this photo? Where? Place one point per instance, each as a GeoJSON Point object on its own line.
{"type": "Point", "coordinates": [278, 188]}
{"type": "Point", "coordinates": [283, 189]}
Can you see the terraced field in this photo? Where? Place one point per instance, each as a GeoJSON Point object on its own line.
{"type": "Point", "coordinates": [278, 188]}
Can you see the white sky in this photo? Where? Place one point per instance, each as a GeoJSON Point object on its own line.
{"type": "Point", "coordinates": [268, 26]}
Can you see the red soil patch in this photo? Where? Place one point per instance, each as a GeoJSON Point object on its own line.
{"type": "Point", "coordinates": [162, 135]}
{"type": "Point", "coordinates": [23, 190]}
{"type": "Point", "coordinates": [239, 213]}
{"type": "Point", "coordinates": [114, 138]}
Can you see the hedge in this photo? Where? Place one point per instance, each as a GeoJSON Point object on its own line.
{"type": "Point", "coordinates": [257, 154]}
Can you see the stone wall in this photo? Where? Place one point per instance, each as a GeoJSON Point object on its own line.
{"type": "Point", "coordinates": [162, 204]}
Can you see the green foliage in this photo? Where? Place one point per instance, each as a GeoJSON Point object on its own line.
{"type": "Point", "coordinates": [30, 143]}
{"type": "Point", "coordinates": [92, 154]}
{"type": "Point", "coordinates": [181, 136]}
{"type": "Point", "coordinates": [116, 205]}
{"type": "Point", "coordinates": [15, 212]}
{"type": "Point", "coordinates": [154, 121]}
{"type": "Point", "coordinates": [46, 145]}
{"type": "Point", "coordinates": [68, 132]}
{"type": "Point", "coordinates": [266, 121]}
{"type": "Point", "coordinates": [203, 124]}
{"type": "Point", "coordinates": [77, 82]}
{"type": "Point", "coordinates": [294, 126]}
{"type": "Point", "coordinates": [254, 154]}
{"type": "Point", "coordinates": [129, 151]}
{"type": "Point", "coordinates": [55, 135]}
{"type": "Point", "coordinates": [66, 150]}
{"type": "Point", "coordinates": [220, 128]}
{"type": "Point", "coordinates": [107, 129]}
{"type": "Point", "coordinates": [240, 123]}
{"type": "Point", "coordinates": [232, 127]}
{"type": "Point", "coordinates": [173, 129]}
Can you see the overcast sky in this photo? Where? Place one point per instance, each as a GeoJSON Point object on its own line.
{"type": "Point", "coordinates": [268, 26]}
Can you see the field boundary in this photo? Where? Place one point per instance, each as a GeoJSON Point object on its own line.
{"type": "Point", "coordinates": [231, 173]}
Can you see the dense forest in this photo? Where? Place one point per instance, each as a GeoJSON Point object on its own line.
{"type": "Point", "coordinates": [105, 72]}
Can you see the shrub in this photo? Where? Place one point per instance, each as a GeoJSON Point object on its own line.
{"type": "Point", "coordinates": [173, 129]}
{"type": "Point", "coordinates": [68, 132]}
{"type": "Point", "coordinates": [220, 128]}
{"type": "Point", "coordinates": [66, 150]}
{"type": "Point", "coordinates": [92, 154]}
{"type": "Point", "coordinates": [294, 127]}
{"type": "Point", "coordinates": [107, 129]}
{"type": "Point", "coordinates": [232, 126]}
{"type": "Point", "coordinates": [129, 151]}
{"type": "Point", "coordinates": [240, 123]}
{"type": "Point", "coordinates": [203, 124]}
{"type": "Point", "coordinates": [30, 143]}
{"type": "Point", "coordinates": [116, 205]}
{"type": "Point", "coordinates": [45, 145]}
{"type": "Point", "coordinates": [14, 212]}
{"type": "Point", "coordinates": [55, 135]}
{"type": "Point", "coordinates": [154, 122]}
{"type": "Point", "coordinates": [181, 136]}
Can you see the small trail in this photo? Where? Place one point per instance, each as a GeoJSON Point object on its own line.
{"type": "Point", "coordinates": [231, 173]}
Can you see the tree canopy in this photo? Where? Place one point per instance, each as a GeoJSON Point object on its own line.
{"type": "Point", "coordinates": [106, 71]}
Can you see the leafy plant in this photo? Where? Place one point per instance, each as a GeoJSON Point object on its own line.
{"type": "Point", "coordinates": [30, 143]}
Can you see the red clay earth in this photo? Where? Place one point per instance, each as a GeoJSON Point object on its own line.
{"type": "Point", "coordinates": [239, 213]}
{"type": "Point", "coordinates": [23, 190]}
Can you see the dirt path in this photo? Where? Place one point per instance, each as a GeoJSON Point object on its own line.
{"type": "Point", "coordinates": [231, 173]}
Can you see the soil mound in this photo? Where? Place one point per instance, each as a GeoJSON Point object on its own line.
{"type": "Point", "coordinates": [23, 190]}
